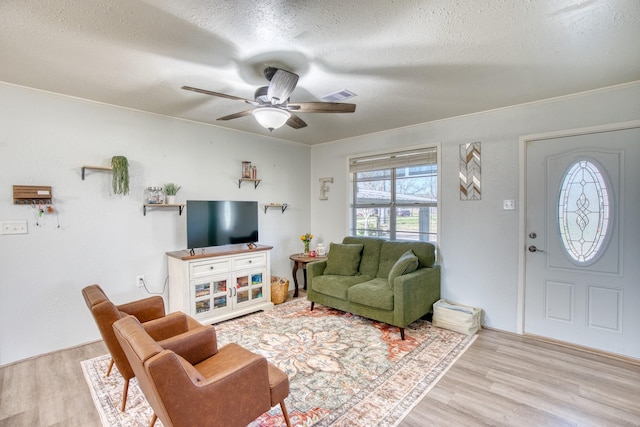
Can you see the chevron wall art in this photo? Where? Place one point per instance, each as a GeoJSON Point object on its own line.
{"type": "Point", "coordinates": [470, 171]}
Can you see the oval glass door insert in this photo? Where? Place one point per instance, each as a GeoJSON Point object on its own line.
{"type": "Point", "coordinates": [584, 212]}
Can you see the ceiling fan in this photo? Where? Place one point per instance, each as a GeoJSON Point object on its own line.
{"type": "Point", "coordinates": [272, 107]}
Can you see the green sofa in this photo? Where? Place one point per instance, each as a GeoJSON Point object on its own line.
{"type": "Point", "coordinates": [378, 279]}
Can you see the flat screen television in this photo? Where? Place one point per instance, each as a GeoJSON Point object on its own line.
{"type": "Point", "coordinates": [221, 222]}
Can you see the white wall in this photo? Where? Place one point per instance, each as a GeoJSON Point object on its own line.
{"type": "Point", "coordinates": [104, 238]}
{"type": "Point", "coordinates": [46, 138]}
{"type": "Point", "coordinates": [478, 240]}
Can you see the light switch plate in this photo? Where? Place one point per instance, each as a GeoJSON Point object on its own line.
{"type": "Point", "coordinates": [509, 205]}
{"type": "Point", "coordinates": [13, 227]}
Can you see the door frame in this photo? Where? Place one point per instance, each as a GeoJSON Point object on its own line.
{"type": "Point", "coordinates": [524, 141]}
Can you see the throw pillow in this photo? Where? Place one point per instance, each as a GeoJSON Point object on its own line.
{"type": "Point", "coordinates": [344, 259]}
{"type": "Point", "coordinates": [407, 263]}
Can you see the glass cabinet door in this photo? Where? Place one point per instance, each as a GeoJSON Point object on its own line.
{"type": "Point", "coordinates": [242, 289]}
{"type": "Point", "coordinates": [210, 295]}
{"type": "Point", "coordinates": [202, 297]}
{"type": "Point", "coordinates": [220, 296]}
{"type": "Point", "coordinates": [250, 287]}
{"type": "Point", "coordinates": [257, 286]}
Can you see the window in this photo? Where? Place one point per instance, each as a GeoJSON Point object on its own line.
{"type": "Point", "coordinates": [395, 195]}
{"type": "Point", "coordinates": [584, 212]}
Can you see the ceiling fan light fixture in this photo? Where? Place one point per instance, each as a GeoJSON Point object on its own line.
{"type": "Point", "coordinates": [270, 117]}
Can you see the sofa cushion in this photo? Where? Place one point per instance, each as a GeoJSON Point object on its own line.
{"type": "Point", "coordinates": [370, 253]}
{"type": "Point", "coordinates": [344, 260]}
{"type": "Point", "coordinates": [407, 263]}
{"type": "Point", "coordinates": [392, 250]}
{"type": "Point", "coordinates": [373, 293]}
{"type": "Point", "coordinates": [426, 253]}
{"type": "Point", "coordinates": [336, 286]}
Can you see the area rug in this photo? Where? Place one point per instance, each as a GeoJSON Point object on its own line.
{"type": "Point", "coordinates": [344, 370]}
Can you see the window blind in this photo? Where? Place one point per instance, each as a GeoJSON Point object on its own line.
{"type": "Point", "coordinates": [396, 159]}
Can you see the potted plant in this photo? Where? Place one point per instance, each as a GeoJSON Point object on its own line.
{"type": "Point", "coordinates": [120, 167]}
{"type": "Point", "coordinates": [171, 190]}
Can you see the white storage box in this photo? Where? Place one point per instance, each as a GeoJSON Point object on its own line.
{"type": "Point", "coordinates": [456, 317]}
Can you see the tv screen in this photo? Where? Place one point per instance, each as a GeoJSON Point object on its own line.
{"type": "Point", "coordinates": [221, 222]}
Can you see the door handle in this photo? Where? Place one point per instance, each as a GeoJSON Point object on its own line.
{"type": "Point", "coordinates": [532, 248]}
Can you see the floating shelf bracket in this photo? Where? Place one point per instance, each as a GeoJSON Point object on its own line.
{"type": "Point", "coordinates": [256, 182]}
{"type": "Point", "coordinates": [96, 168]}
{"type": "Point", "coordinates": [282, 206]}
{"type": "Point", "coordinates": [158, 205]}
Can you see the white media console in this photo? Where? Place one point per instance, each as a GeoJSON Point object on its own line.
{"type": "Point", "coordinates": [220, 282]}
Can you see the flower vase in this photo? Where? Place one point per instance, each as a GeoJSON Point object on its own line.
{"type": "Point", "coordinates": [306, 248]}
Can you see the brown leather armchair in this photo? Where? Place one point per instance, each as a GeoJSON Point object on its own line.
{"type": "Point", "coordinates": [210, 386]}
{"type": "Point", "coordinates": [150, 311]}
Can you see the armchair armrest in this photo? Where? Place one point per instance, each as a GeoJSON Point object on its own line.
{"type": "Point", "coordinates": [316, 268]}
{"type": "Point", "coordinates": [415, 293]}
{"type": "Point", "coordinates": [233, 363]}
{"type": "Point", "coordinates": [145, 309]}
{"type": "Point", "coordinates": [170, 325]}
{"type": "Point", "coordinates": [233, 385]}
{"type": "Point", "coordinates": [195, 345]}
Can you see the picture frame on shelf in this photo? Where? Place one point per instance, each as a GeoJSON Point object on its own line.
{"type": "Point", "coordinates": [246, 170]}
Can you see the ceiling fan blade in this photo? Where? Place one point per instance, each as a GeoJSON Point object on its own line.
{"type": "Point", "coordinates": [220, 95]}
{"type": "Point", "coordinates": [296, 122]}
{"type": "Point", "coordinates": [281, 85]}
{"type": "Point", "coordinates": [236, 115]}
{"type": "Point", "coordinates": [322, 107]}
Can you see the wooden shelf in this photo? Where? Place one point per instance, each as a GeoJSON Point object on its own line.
{"type": "Point", "coordinates": [160, 205]}
{"type": "Point", "coordinates": [282, 206]}
{"type": "Point", "coordinates": [256, 182]}
{"type": "Point", "coordinates": [95, 168]}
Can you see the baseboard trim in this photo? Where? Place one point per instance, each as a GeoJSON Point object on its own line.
{"type": "Point", "coordinates": [15, 362]}
{"type": "Point", "coordinates": [586, 349]}
{"type": "Point", "coordinates": [590, 350]}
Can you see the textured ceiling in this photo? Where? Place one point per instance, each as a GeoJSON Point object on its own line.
{"type": "Point", "coordinates": [408, 61]}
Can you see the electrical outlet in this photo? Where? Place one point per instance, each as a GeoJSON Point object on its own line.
{"type": "Point", "coordinates": [13, 227]}
{"type": "Point", "coordinates": [140, 280]}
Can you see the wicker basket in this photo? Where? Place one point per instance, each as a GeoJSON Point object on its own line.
{"type": "Point", "coordinates": [279, 289]}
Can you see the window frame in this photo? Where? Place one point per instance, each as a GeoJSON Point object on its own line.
{"type": "Point", "coordinates": [377, 163]}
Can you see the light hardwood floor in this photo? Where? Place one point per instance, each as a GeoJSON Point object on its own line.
{"type": "Point", "coordinates": [510, 380]}
{"type": "Point", "coordinates": [502, 379]}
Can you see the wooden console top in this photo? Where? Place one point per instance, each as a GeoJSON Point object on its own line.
{"type": "Point", "coordinates": [215, 251]}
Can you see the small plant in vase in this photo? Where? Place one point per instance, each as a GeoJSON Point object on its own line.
{"type": "Point", "coordinates": [306, 239]}
{"type": "Point", "coordinates": [171, 190]}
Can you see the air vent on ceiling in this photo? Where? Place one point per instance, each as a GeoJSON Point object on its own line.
{"type": "Point", "coordinates": [338, 96]}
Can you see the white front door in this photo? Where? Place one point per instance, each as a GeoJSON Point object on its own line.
{"type": "Point", "coordinates": [582, 255]}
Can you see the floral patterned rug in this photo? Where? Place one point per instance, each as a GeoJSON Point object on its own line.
{"type": "Point", "coordinates": [344, 370]}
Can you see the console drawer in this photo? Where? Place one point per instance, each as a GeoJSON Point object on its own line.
{"type": "Point", "coordinates": [250, 261]}
{"type": "Point", "coordinates": [206, 268]}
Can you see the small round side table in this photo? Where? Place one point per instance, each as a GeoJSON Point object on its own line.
{"type": "Point", "coordinates": [301, 261]}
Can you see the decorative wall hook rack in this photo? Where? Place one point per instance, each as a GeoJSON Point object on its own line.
{"type": "Point", "coordinates": [31, 195]}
